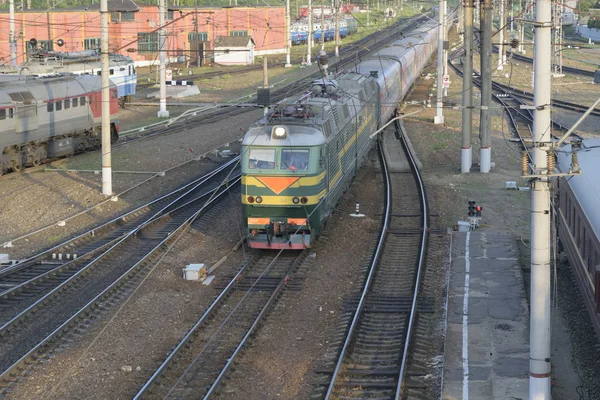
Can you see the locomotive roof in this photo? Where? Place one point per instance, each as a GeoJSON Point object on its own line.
{"type": "Point", "coordinates": [298, 135]}
{"type": "Point", "coordinates": [586, 186]}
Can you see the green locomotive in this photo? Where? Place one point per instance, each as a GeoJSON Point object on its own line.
{"type": "Point", "coordinates": [298, 160]}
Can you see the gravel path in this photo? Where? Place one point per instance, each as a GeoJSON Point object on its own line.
{"type": "Point", "coordinates": [113, 359]}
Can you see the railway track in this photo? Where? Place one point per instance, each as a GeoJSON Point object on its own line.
{"type": "Point", "coordinates": [373, 346]}
{"type": "Point", "coordinates": [50, 306]}
{"type": "Point", "coordinates": [518, 107]}
{"type": "Point", "coordinates": [573, 70]}
{"type": "Point", "coordinates": [197, 365]}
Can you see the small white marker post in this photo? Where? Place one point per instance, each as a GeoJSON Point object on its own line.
{"type": "Point", "coordinates": [357, 214]}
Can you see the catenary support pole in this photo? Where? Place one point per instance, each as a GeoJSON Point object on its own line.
{"type": "Point", "coordinates": [162, 42]}
{"type": "Point", "coordinates": [445, 59]}
{"type": "Point", "coordinates": [309, 38]}
{"type": "Point", "coordinates": [467, 100]}
{"type": "Point", "coordinates": [105, 81]}
{"type": "Point", "coordinates": [539, 336]}
{"type": "Point", "coordinates": [322, 28]}
{"type": "Point", "coordinates": [265, 80]}
{"type": "Point", "coordinates": [288, 35]}
{"type": "Point", "coordinates": [439, 116]}
{"type": "Point", "coordinates": [336, 4]}
{"type": "Point", "coordinates": [501, 36]}
{"type": "Point", "coordinates": [11, 34]}
{"type": "Point", "coordinates": [485, 124]}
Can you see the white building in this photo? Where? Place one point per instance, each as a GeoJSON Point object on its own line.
{"type": "Point", "coordinates": [234, 50]}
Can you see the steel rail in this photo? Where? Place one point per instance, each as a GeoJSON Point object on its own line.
{"type": "Point", "coordinates": [23, 314]}
{"type": "Point", "coordinates": [23, 361]}
{"type": "Point", "coordinates": [372, 269]}
{"type": "Point", "coordinates": [92, 232]}
{"type": "Point", "coordinates": [420, 267]}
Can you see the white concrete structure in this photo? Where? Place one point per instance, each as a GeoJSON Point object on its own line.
{"type": "Point", "coordinates": [234, 50]}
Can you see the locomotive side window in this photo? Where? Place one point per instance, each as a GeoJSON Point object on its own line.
{"type": "Point", "coordinates": [295, 160]}
{"type": "Point", "coordinates": [11, 113]}
{"type": "Point", "coordinates": [58, 105]}
{"type": "Point", "coordinates": [67, 104]}
{"type": "Point", "coordinates": [82, 100]}
{"type": "Point", "coordinates": [2, 114]}
{"type": "Point", "coordinates": [50, 106]}
{"type": "Point", "coordinates": [75, 101]}
{"type": "Point", "coordinates": [261, 159]}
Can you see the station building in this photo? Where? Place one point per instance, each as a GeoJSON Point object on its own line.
{"type": "Point", "coordinates": [133, 30]}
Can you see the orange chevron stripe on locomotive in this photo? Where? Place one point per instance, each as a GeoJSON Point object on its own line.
{"type": "Point", "coordinates": [277, 183]}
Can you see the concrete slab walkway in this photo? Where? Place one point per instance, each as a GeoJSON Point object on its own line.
{"type": "Point", "coordinates": [487, 342]}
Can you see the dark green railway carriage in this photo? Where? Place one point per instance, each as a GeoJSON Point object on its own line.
{"type": "Point", "coordinates": [298, 160]}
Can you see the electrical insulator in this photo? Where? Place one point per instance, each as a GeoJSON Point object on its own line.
{"type": "Point", "coordinates": [550, 162]}
{"type": "Point", "coordinates": [524, 163]}
{"type": "Point", "coordinates": [574, 163]}
{"type": "Point", "coordinates": [514, 43]}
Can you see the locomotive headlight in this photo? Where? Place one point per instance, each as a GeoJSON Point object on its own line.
{"type": "Point", "coordinates": [279, 132]}
{"type": "Point", "coordinates": [296, 200]}
{"type": "Point", "coordinates": [258, 199]}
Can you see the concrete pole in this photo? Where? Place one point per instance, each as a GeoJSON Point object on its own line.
{"type": "Point", "coordinates": [466, 156]}
{"type": "Point", "coordinates": [11, 35]}
{"type": "Point", "coordinates": [322, 29]}
{"type": "Point", "coordinates": [439, 117]}
{"type": "Point", "coordinates": [105, 81]}
{"type": "Point", "coordinates": [445, 59]}
{"type": "Point", "coordinates": [539, 336]}
{"type": "Point", "coordinates": [501, 36]}
{"type": "Point", "coordinates": [521, 29]}
{"type": "Point", "coordinates": [288, 33]}
{"type": "Point", "coordinates": [162, 113]}
{"type": "Point", "coordinates": [368, 12]}
{"type": "Point", "coordinates": [337, 27]}
{"type": "Point", "coordinates": [485, 125]}
{"type": "Point", "coordinates": [309, 39]}
{"type": "Point", "coordinates": [265, 81]}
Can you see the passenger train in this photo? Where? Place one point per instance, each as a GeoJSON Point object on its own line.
{"type": "Point", "coordinates": [299, 159]}
{"type": "Point", "coordinates": [299, 29]}
{"type": "Point", "coordinates": [50, 117]}
{"type": "Point", "coordinates": [49, 63]}
{"type": "Point", "coordinates": [579, 221]}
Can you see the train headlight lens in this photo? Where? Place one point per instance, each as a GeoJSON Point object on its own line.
{"type": "Point", "coordinates": [304, 200]}
{"type": "Point", "coordinates": [296, 200]}
{"type": "Point", "coordinates": [250, 199]}
{"type": "Point", "coordinates": [259, 199]}
{"type": "Point", "coordinates": [279, 132]}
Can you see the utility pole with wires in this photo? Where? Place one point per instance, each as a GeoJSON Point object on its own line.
{"type": "Point", "coordinates": [162, 11]}
{"type": "Point", "coordinates": [288, 34]}
{"type": "Point", "coordinates": [439, 116]}
{"type": "Point", "coordinates": [485, 124]}
{"type": "Point", "coordinates": [105, 81]}
{"type": "Point", "coordinates": [466, 154]}
{"type": "Point", "coordinates": [11, 34]}
{"type": "Point", "coordinates": [309, 39]}
{"type": "Point", "coordinates": [539, 332]}
{"type": "Point", "coordinates": [322, 28]}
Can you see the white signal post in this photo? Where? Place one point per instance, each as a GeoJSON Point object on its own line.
{"type": "Point", "coordinates": [309, 38]}
{"type": "Point", "coordinates": [105, 81]}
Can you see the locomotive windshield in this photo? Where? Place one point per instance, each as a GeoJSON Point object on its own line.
{"type": "Point", "coordinates": [295, 160]}
{"type": "Point", "coordinates": [261, 159]}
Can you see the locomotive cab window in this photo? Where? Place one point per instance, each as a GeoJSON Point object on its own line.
{"type": "Point", "coordinates": [261, 159]}
{"type": "Point", "coordinates": [294, 160]}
